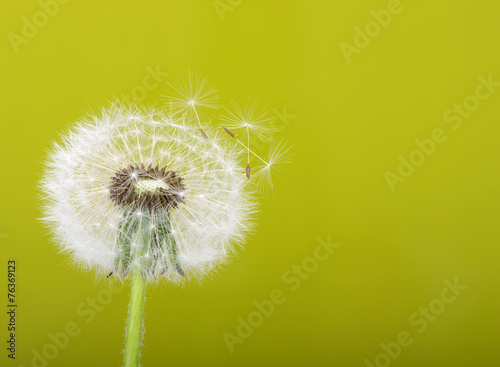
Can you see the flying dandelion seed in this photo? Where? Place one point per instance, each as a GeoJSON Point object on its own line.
{"type": "Point", "coordinates": [193, 90]}
{"type": "Point", "coordinates": [279, 157]}
{"type": "Point", "coordinates": [251, 119]}
{"type": "Point", "coordinates": [192, 96]}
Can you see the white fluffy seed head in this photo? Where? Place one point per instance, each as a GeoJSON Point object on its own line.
{"type": "Point", "coordinates": [216, 209]}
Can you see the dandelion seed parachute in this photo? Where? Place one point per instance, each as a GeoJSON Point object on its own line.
{"type": "Point", "coordinates": [184, 195]}
{"type": "Point", "coordinates": [192, 94]}
{"type": "Point", "coordinates": [251, 119]}
{"type": "Point", "coordinates": [279, 156]}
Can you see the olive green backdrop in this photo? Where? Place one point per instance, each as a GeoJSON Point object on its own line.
{"type": "Point", "coordinates": [365, 85]}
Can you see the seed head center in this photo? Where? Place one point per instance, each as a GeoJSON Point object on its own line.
{"type": "Point", "coordinates": [149, 186]}
{"type": "Point", "coordinates": [146, 187]}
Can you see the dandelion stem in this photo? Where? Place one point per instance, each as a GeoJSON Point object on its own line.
{"type": "Point", "coordinates": [135, 320]}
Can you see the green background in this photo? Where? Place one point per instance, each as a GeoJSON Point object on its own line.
{"type": "Point", "coordinates": [353, 120]}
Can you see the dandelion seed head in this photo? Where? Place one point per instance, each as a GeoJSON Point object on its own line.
{"type": "Point", "coordinates": [139, 159]}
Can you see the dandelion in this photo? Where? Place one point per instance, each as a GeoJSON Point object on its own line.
{"type": "Point", "coordinates": [142, 193]}
{"type": "Point", "coordinates": [136, 177]}
{"type": "Point", "coordinates": [152, 194]}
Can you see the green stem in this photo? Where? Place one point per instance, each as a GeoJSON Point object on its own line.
{"type": "Point", "coordinates": [135, 318]}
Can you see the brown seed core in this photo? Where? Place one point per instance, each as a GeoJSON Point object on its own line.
{"type": "Point", "coordinates": [127, 188]}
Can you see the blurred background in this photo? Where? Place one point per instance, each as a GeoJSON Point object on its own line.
{"type": "Point", "coordinates": [393, 110]}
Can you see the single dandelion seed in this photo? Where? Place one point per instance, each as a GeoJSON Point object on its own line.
{"type": "Point", "coordinates": [250, 119]}
{"type": "Point", "coordinates": [191, 96]}
{"type": "Point", "coordinates": [278, 157]}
